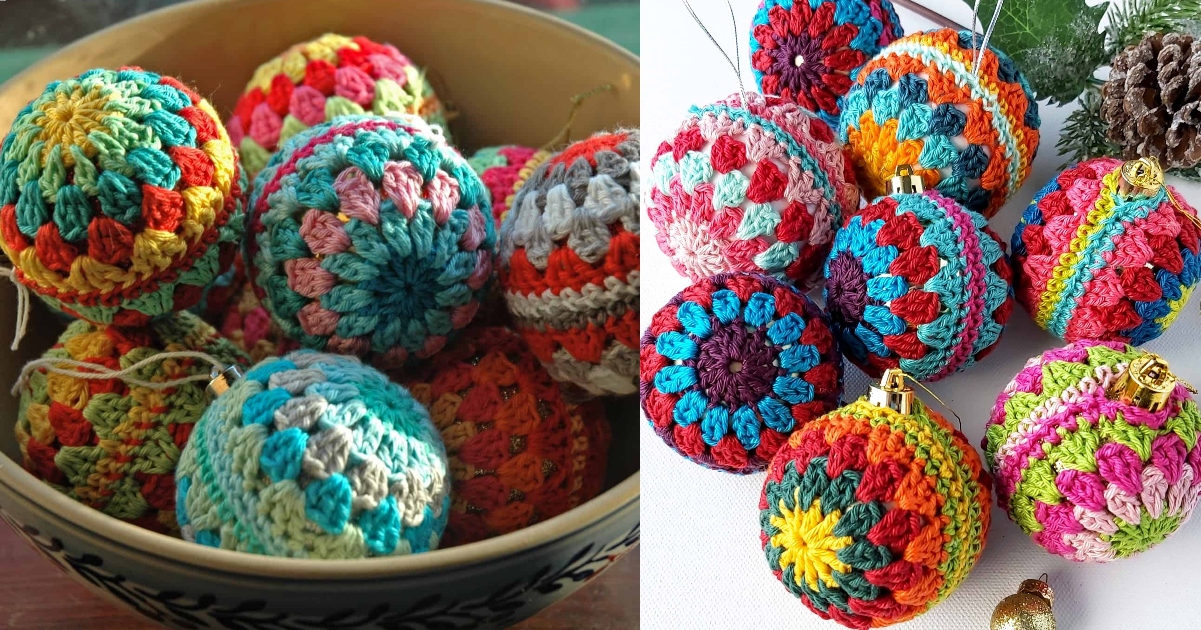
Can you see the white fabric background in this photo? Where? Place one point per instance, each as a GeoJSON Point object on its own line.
{"type": "Point", "coordinates": [702, 566]}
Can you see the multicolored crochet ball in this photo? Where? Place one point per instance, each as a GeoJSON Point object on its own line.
{"type": "Point", "coordinates": [109, 444]}
{"type": "Point", "coordinates": [518, 453]}
{"type": "Point", "coordinates": [805, 51]}
{"type": "Point", "coordinates": [732, 365]}
{"type": "Point", "coordinates": [504, 170]}
{"type": "Point", "coordinates": [119, 196]}
{"type": "Point", "coordinates": [1093, 263]}
{"type": "Point", "coordinates": [712, 217]}
{"type": "Point", "coordinates": [1089, 477]}
{"type": "Point", "coordinates": [917, 281]}
{"type": "Point", "coordinates": [872, 517]}
{"type": "Point", "coordinates": [249, 327]}
{"type": "Point", "coordinates": [569, 263]}
{"type": "Point", "coordinates": [316, 81]}
{"type": "Point", "coordinates": [919, 102]}
{"type": "Point", "coordinates": [370, 236]}
{"type": "Point", "coordinates": [315, 456]}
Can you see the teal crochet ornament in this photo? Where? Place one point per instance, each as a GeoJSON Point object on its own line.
{"type": "Point", "coordinates": [314, 455]}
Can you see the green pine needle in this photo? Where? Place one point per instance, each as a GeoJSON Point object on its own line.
{"type": "Point", "coordinates": [1130, 20]}
{"type": "Point", "coordinates": [1083, 135]}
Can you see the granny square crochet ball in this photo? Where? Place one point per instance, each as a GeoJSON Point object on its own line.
{"type": "Point", "coordinates": [315, 81]}
{"type": "Point", "coordinates": [1090, 477]}
{"type": "Point", "coordinates": [569, 263]}
{"type": "Point", "coordinates": [504, 170]}
{"type": "Point", "coordinates": [314, 456]}
{"type": "Point", "coordinates": [752, 184]}
{"type": "Point", "coordinates": [805, 51]}
{"type": "Point", "coordinates": [106, 443]}
{"type": "Point", "coordinates": [519, 454]}
{"type": "Point", "coordinates": [370, 236]}
{"type": "Point", "coordinates": [1093, 263]}
{"type": "Point", "coordinates": [920, 283]}
{"type": "Point", "coordinates": [120, 198]}
{"type": "Point", "coordinates": [732, 365]}
{"type": "Point", "coordinates": [919, 102]}
{"type": "Point", "coordinates": [872, 517]}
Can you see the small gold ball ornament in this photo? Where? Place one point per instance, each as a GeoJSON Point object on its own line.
{"type": "Point", "coordinates": [1028, 609]}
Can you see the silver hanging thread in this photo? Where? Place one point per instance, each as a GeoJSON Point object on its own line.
{"type": "Point", "coordinates": [737, 67]}
{"type": "Point", "coordinates": [982, 45]}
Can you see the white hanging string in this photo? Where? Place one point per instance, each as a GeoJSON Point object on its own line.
{"type": "Point", "coordinates": [94, 371]}
{"type": "Point", "coordinates": [737, 67]}
{"type": "Point", "coordinates": [992, 26]}
{"type": "Point", "coordinates": [22, 305]}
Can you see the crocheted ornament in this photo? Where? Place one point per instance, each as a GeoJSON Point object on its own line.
{"type": "Point", "coordinates": [1093, 263]}
{"type": "Point", "coordinates": [518, 453]}
{"type": "Point", "coordinates": [249, 327]}
{"type": "Point", "coordinates": [504, 170]}
{"type": "Point", "coordinates": [805, 51]}
{"type": "Point", "coordinates": [111, 445]}
{"type": "Point", "coordinates": [1089, 474]}
{"type": "Point", "coordinates": [917, 281]}
{"type": "Point", "coordinates": [315, 456]}
{"type": "Point", "coordinates": [316, 81]}
{"type": "Point", "coordinates": [871, 516]}
{"type": "Point", "coordinates": [569, 263]}
{"type": "Point", "coordinates": [119, 196]}
{"type": "Point", "coordinates": [753, 184]}
{"type": "Point", "coordinates": [732, 365]}
{"type": "Point", "coordinates": [370, 236]}
{"type": "Point", "coordinates": [919, 102]}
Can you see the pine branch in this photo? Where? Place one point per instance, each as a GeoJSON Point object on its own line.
{"type": "Point", "coordinates": [1083, 134]}
{"type": "Point", "coordinates": [1129, 20]}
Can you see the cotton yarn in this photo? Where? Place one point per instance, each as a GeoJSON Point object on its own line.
{"type": "Point", "coordinates": [314, 456]}
{"type": "Point", "coordinates": [1091, 477]}
{"type": "Point", "coordinates": [504, 170]}
{"type": "Point", "coordinates": [119, 196]}
{"type": "Point", "coordinates": [917, 281]}
{"type": "Point", "coordinates": [569, 263]}
{"type": "Point", "coordinates": [732, 365]}
{"type": "Point", "coordinates": [315, 81]}
{"type": "Point", "coordinates": [1093, 263]}
{"type": "Point", "coordinates": [806, 51]}
{"type": "Point", "coordinates": [712, 217]}
{"type": "Point", "coordinates": [249, 327]}
{"type": "Point", "coordinates": [370, 236]}
{"type": "Point", "coordinates": [111, 445]}
{"type": "Point", "coordinates": [518, 453]}
{"type": "Point", "coordinates": [872, 517]}
{"type": "Point", "coordinates": [919, 102]}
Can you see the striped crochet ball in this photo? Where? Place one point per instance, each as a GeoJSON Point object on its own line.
{"type": "Point", "coordinates": [106, 443]}
{"type": "Point", "coordinates": [1091, 478]}
{"type": "Point", "coordinates": [569, 263]}
{"type": "Point", "coordinates": [919, 102]}
{"type": "Point", "coordinates": [1093, 263]}
{"type": "Point", "coordinates": [504, 170]}
{"type": "Point", "coordinates": [806, 51]}
{"type": "Point", "coordinates": [120, 196]}
{"type": "Point", "coordinates": [519, 454]}
{"type": "Point", "coordinates": [751, 184]}
{"type": "Point", "coordinates": [920, 283]}
{"type": "Point", "coordinates": [314, 456]}
{"type": "Point", "coordinates": [732, 365]}
{"type": "Point", "coordinates": [370, 236]}
{"type": "Point", "coordinates": [872, 517]}
{"type": "Point", "coordinates": [315, 81]}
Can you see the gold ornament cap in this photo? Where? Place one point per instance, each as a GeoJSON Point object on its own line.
{"type": "Point", "coordinates": [905, 181]}
{"type": "Point", "coordinates": [1028, 609]}
{"type": "Point", "coordinates": [222, 380]}
{"type": "Point", "coordinates": [892, 392]}
{"type": "Point", "coordinates": [1143, 176]}
{"type": "Point", "coordinates": [1146, 382]}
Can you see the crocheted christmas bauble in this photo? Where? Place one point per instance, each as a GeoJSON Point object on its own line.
{"type": "Point", "coordinates": [316, 81]}
{"type": "Point", "coordinates": [109, 444]}
{"type": "Point", "coordinates": [919, 102]}
{"type": "Point", "coordinates": [249, 327]}
{"type": "Point", "coordinates": [119, 196]}
{"type": "Point", "coordinates": [732, 365]}
{"type": "Point", "coordinates": [518, 453]}
{"type": "Point", "coordinates": [504, 170]}
{"type": "Point", "coordinates": [569, 263]}
{"type": "Point", "coordinates": [1089, 476]}
{"type": "Point", "coordinates": [1093, 263]}
{"type": "Point", "coordinates": [917, 281]}
{"type": "Point", "coordinates": [314, 455]}
{"type": "Point", "coordinates": [752, 184]}
{"type": "Point", "coordinates": [872, 517]}
{"type": "Point", "coordinates": [806, 51]}
{"type": "Point", "coordinates": [370, 236]}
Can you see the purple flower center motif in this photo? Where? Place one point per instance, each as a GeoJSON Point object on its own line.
{"type": "Point", "coordinates": [735, 366]}
{"type": "Point", "coordinates": [846, 289]}
{"type": "Point", "coordinates": [799, 62]}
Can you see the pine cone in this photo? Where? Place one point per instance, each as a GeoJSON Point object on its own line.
{"type": "Point", "coordinates": [1152, 101]}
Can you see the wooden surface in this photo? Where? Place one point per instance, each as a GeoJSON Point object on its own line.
{"type": "Point", "coordinates": [36, 595]}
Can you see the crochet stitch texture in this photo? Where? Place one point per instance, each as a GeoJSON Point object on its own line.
{"type": "Point", "coordinates": [119, 196]}
{"type": "Point", "coordinates": [1088, 477]}
{"type": "Point", "coordinates": [249, 327]}
{"type": "Point", "coordinates": [504, 170]}
{"type": "Point", "coordinates": [314, 456]}
{"type": "Point", "coordinates": [872, 517]}
{"type": "Point", "coordinates": [370, 236]}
